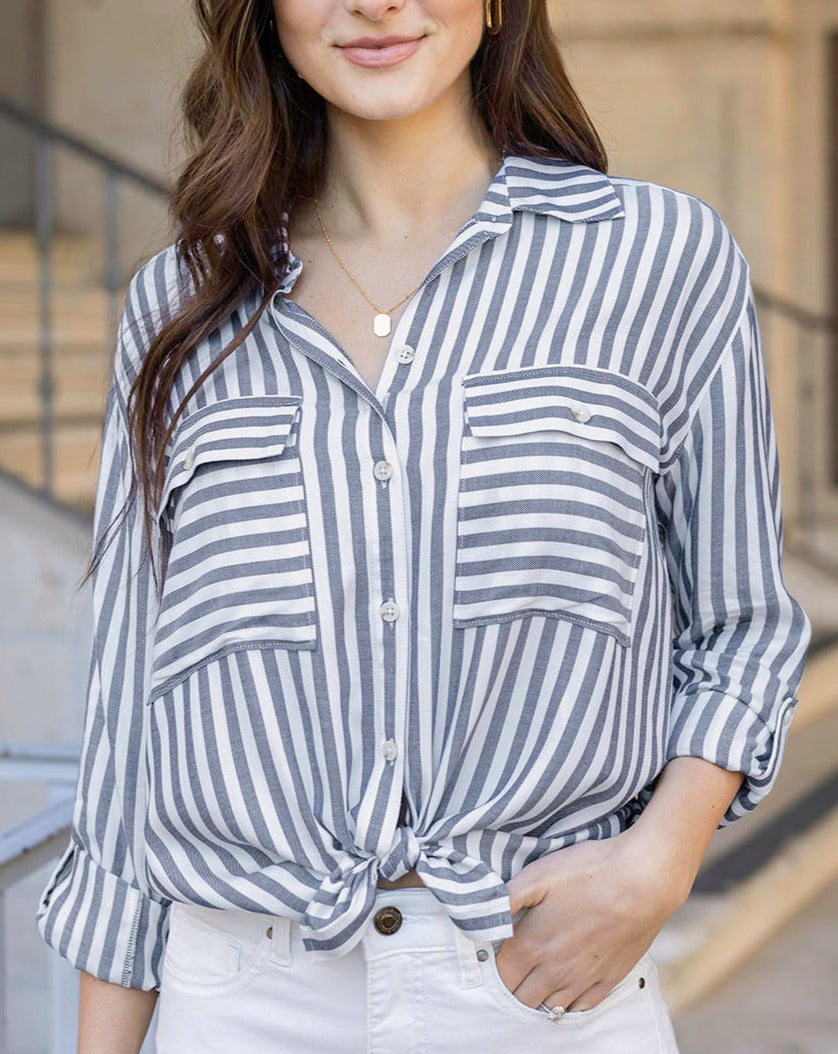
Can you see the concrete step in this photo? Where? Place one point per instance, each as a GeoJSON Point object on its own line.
{"type": "Point", "coordinates": [82, 340]}
{"type": "Point", "coordinates": [768, 866]}
{"type": "Point", "coordinates": [73, 259]}
{"type": "Point", "coordinates": [76, 460]}
{"type": "Point", "coordinates": [77, 315]}
{"type": "Point", "coordinates": [779, 1001]}
{"type": "Point", "coordinates": [80, 378]}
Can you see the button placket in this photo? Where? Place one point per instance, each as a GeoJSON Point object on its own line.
{"type": "Point", "coordinates": [392, 576]}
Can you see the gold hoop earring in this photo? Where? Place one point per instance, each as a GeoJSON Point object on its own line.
{"type": "Point", "coordinates": [493, 24]}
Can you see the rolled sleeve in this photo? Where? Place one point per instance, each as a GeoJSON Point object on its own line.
{"type": "Point", "coordinates": [102, 923]}
{"type": "Point", "coordinates": [93, 910]}
{"type": "Point", "coordinates": [740, 638]}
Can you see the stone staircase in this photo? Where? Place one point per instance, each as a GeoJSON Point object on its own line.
{"type": "Point", "coordinates": [82, 359]}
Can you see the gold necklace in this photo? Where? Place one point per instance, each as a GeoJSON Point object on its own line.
{"type": "Point", "coordinates": [382, 322]}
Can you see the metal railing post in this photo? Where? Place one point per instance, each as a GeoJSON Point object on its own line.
{"type": "Point", "coordinates": [48, 138]}
{"type": "Point", "coordinates": [44, 224]}
{"type": "Point", "coordinates": [807, 489]}
{"type": "Point", "coordinates": [112, 271]}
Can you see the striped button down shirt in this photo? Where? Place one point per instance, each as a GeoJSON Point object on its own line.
{"type": "Point", "coordinates": [540, 560]}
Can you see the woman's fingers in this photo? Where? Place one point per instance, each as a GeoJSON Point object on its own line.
{"type": "Point", "coordinates": [586, 1000]}
{"type": "Point", "coordinates": [532, 986]}
{"type": "Point", "coordinates": [570, 996]}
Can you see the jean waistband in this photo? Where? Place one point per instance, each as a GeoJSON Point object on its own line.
{"type": "Point", "coordinates": [425, 923]}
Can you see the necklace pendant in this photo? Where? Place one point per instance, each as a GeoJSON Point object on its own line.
{"type": "Point", "coordinates": [381, 325]}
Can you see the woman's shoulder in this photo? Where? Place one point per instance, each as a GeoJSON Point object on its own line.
{"type": "Point", "coordinates": [676, 218]}
{"type": "Point", "coordinates": [155, 292]}
{"type": "Point", "coordinates": [157, 288]}
{"type": "Point", "coordinates": [657, 219]}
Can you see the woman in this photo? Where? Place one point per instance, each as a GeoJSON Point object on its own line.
{"type": "Point", "coordinates": [451, 624]}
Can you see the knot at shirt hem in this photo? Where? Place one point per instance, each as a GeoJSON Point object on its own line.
{"type": "Point", "coordinates": [475, 897]}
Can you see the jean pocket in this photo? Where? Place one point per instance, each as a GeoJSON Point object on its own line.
{"type": "Point", "coordinates": [633, 985]}
{"type": "Point", "coordinates": [205, 959]}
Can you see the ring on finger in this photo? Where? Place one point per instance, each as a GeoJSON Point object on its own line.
{"type": "Point", "coordinates": [556, 1013]}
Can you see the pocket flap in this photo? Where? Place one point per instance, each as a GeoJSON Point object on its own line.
{"type": "Point", "coordinates": [245, 428]}
{"type": "Point", "coordinates": [583, 401]}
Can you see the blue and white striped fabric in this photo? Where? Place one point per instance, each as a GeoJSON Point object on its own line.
{"type": "Point", "coordinates": [539, 561]}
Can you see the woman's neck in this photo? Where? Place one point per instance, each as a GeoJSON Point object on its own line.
{"type": "Point", "coordinates": [387, 180]}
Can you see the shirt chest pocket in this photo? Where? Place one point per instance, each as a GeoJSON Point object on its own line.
{"type": "Point", "coordinates": [238, 571]}
{"type": "Point", "coordinates": [555, 503]}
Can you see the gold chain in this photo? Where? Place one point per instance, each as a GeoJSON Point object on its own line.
{"type": "Point", "coordinates": [381, 323]}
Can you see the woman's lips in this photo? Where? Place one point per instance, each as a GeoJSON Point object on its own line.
{"type": "Point", "coordinates": [387, 56]}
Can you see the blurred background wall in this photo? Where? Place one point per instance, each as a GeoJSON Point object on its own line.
{"type": "Point", "coordinates": [108, 71]}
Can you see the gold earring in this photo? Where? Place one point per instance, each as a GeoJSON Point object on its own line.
{"type": "Point", "coordinates": [493, 24]}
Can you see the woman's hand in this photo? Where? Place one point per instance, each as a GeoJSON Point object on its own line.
{"type": "Point", "coordinates": [594, 909]}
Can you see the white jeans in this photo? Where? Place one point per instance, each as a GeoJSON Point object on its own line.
{"type": "Point", "coordinates": [230, 985]}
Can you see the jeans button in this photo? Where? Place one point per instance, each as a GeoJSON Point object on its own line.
{"type": "Point", "coordinates": [387, 919]}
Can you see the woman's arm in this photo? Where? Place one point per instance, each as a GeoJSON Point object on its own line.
{"type": "Point", "coordinates": [740, 638]}
{"type": "Point", "coordinates": [674, 830]}
{"type": "Point", "coordinates": [96, 910]}
{"type": "Point", "coordinates": [112, 1019]}
{"type": "Point", "coordinates": [738, 650]}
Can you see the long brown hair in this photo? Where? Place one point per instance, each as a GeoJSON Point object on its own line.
{"type": "Point", "coordinates": [258, 136]}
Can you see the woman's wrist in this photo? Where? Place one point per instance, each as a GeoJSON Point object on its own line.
{"type": "Point", "coordinates": [655, 867]}
{"type": "Point", "coordinates": [667, 842]}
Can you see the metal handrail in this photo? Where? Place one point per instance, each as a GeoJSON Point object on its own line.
{"type": "Point", "coordinates": [33, 843]}
{"type": "Point", "coordinates": [794, 312]}
{"type": "Point", "coordinates": [29, 846]}
{"type": "Point", "coordinates": [815, 343]}
{"type": "Point", "coordinates": [48, 137]}
{"type": "Point", "coordinates": [46, 129]}
{"type": "Point", "coordinates": [23, 850]}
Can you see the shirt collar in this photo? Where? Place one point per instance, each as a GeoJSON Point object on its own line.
{"type": "Point", "coordinates": [550, 185]}
{"type": "Point", "coordinates": [557, 187]}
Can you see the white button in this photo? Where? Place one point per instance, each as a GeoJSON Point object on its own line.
{"type": "Point", "coordinates": [383, 470]}
{"type": "Point", "coordinates": [390, 749]}
{"type": "Point", "coordinates": [580, 412]}
{"type": "Point", "coordinates": [189, 459]}
{"type": "Point", "coordinates": [405, 353]}
{"type": "Point", "coordinates": [390, 610]}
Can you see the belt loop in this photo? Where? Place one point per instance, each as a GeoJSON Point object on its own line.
{"type": "Point", "coordinates": [281, 939]}
{"type": "Point", "coordinates": [470, 975]}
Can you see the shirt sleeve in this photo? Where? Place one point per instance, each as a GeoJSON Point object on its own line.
{"type": "Point", "coordinates": [740, 638]}
{"type": "Point", "coordinates": [93, 910]}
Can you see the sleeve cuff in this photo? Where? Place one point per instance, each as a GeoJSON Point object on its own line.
{"type": "Point", "coordinates": [102, 924]}
{"type": "Point", "coordinates": [722, 729]}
